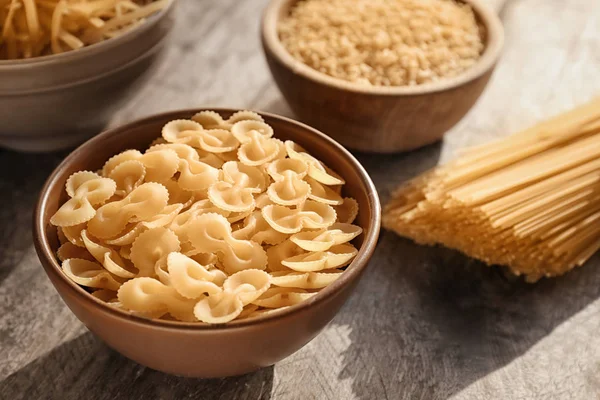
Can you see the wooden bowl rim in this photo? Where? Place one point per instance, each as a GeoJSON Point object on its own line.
{"type": "Point", "coordinates": [492, 51]}
{"type": "Point", "coordinates": [88, 51]}
{"type": "Point", "coordinates": [353, 271]}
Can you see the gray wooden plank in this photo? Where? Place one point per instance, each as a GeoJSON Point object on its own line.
{"type": "Point", "coordinates": [423, 324]}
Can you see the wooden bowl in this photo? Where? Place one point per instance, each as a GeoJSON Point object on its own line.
{"type": "Point", "coordinates": [379, 119]}
{"type": "Point", "coordinates": [58, 101]}
{"type": "Point", "coordinates": [198, 349]}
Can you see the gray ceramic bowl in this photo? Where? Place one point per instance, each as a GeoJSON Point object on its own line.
{"type": "Point", "coordinates": [57, 101]}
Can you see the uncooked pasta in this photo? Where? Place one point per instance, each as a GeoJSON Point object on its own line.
{"type": "Point", "coordinates": [33, 28]}
{"type": "Point", "coordinates": [530, 201]}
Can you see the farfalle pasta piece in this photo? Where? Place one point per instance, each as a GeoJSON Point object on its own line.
{"type": "Point", "coordinates": [87, 190]}
{"type": "Point", "coordinates": [181, 131]}
{"type": "Point", "coordinates": [164, 218]}
{"type": "Point", "coordinates": [211, 120]}
{"type": "Point", "coordinates": [245, 176]}
{"type": "Point", "coordinates": [217, 141]}
{"type": "Point", "coordinates": [69, 250]}
{"type": "Point", "coordinates": [110, 297]}
{"type": "Point", "coordinates": [241, 130]}
{"type": "Point", "coordinates": [160, 164]}
{"type": "Point", "coordinates": [230, 197]}
{"type": "Point", "coordinates": [150, 295]}
{"type": "Point", "coordinates": [89, 274]}
{"type": "Point", "coordinates": [211, 233]}
{"type": "Point", "coordinates": [258, 230]}
{"type": "Point", "coordinates": [335, 257]}
{"type": "Point", "coordinates": [239, 289]}
{"type": "Point", "coordinates": [347, 211]}
{"type": "Point", "coordinates": [288, 189]}
{"type": "Point", "coordinates": [259, 150]}
{"type": "Point", "coordinates": [141, 204]}
{"type": "Point", "coordinates": [236, 192]}
{"type": "Point", "coordinates": [196, 175]}
{"type": "Point", "coordinates": [323, 194]}
{"type": "Point", "coordinates": [73, 233]}
{"type": "Point", "coordinates": [127, 176]}
{"type": "Point", "coordinates": [304, 280]}
{"type": "Point", "coordinates": [323, 240]}
{"type": "Point", "coordinates": [192, 279]}
{"type": "Point", "coordinates": [177, 195]}
{"type": "Point", "coordinates": [109, 258]}
{"type": "Point", "coordinates": [316, 169]}
{"type": "Point", "coordinates": [279, 297]}
{"type": "Point", "coordinates": [127, 236]}
{"type": "Point", "coordinates": [150, 250]}
{"type": "Point", "coordinates": [312, 215]}
{"type": "Point", "coordinates": [116, 160]}
{"type": "Point", "coordinates": [276, 254]}
{"type": "Point", "coordinates": [214, 140]}
{"type": "Point", "coordinates": [244, 115]}
{"type": "Point", "coordinates": [183, 151]}
{"type": "Point", "coordinates": [179, 224]}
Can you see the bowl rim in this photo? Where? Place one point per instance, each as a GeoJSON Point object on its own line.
{"type": "Point", "coordinates": [353, 271]}
{"type": "Point", "coordinates": [491, 53]}
{"type": "Point", "coordinates": [91, 50]}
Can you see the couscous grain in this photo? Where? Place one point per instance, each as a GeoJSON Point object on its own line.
{"type": "Point", "coordinates": [383, 42]}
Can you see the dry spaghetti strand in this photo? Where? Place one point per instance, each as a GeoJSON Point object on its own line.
{"type": "Point", "coordinates": [530, 201]}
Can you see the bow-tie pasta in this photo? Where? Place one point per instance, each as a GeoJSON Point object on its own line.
{"type": "Point", "coordinates": [323, 240]}
{"type": "Point", "coordinates": [87, 190]}
{"type": "Point", "coordinates": [143, 203]}
{"type": "Point", "coordinates": [218, 220]}
{"type": "Point", "coordinates": [239, 289]}
{"type": "Point", "coordinates": [289, 188]}
{"type": "Point", "coordinates": [312, 215]}
{"type": "Point", "coordinates": [316, 169]}
{"type": "Point", "coordinates": [258, 149]}
{"type": "Point", "coordinates": [211, 233]}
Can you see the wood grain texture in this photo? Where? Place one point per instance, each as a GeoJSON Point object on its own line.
{"type": "Point", "coordinates": [423, 324]}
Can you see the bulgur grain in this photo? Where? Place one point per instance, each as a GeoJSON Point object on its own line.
{"type": "Point", "coordinates": [383, 42]}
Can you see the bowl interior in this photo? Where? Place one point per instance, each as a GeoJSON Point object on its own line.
{"type": "Point", "coordinates": [493, 38]}
{"type": "Point", "coordinates": [93, 154]}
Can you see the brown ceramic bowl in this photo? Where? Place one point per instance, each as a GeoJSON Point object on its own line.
{"type": "Point", "coordinates": [378, 119]}
{"type": "Point", "coordinates": [58, 101]}
{"type": "Point", "coordinates": [198, 349]}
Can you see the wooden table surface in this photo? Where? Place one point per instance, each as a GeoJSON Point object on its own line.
{"type": "Point", "coordinates": [424, 323]}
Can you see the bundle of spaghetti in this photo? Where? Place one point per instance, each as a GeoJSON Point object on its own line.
{"type": "Point", "coordinates": [530, 201]}
{"type": "Point", "coordinates": [32, 28]}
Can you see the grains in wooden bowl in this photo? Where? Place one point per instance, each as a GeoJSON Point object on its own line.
{"type": "Point", "coordinates": [384, 42]}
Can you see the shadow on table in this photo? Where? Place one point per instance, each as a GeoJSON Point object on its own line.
{"type": "Point", "coordinates": [85, 368]}
{"type": "Point", "coordinates": [21, 178]}
{"type": "Point", "coordinates": [428, 322]}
